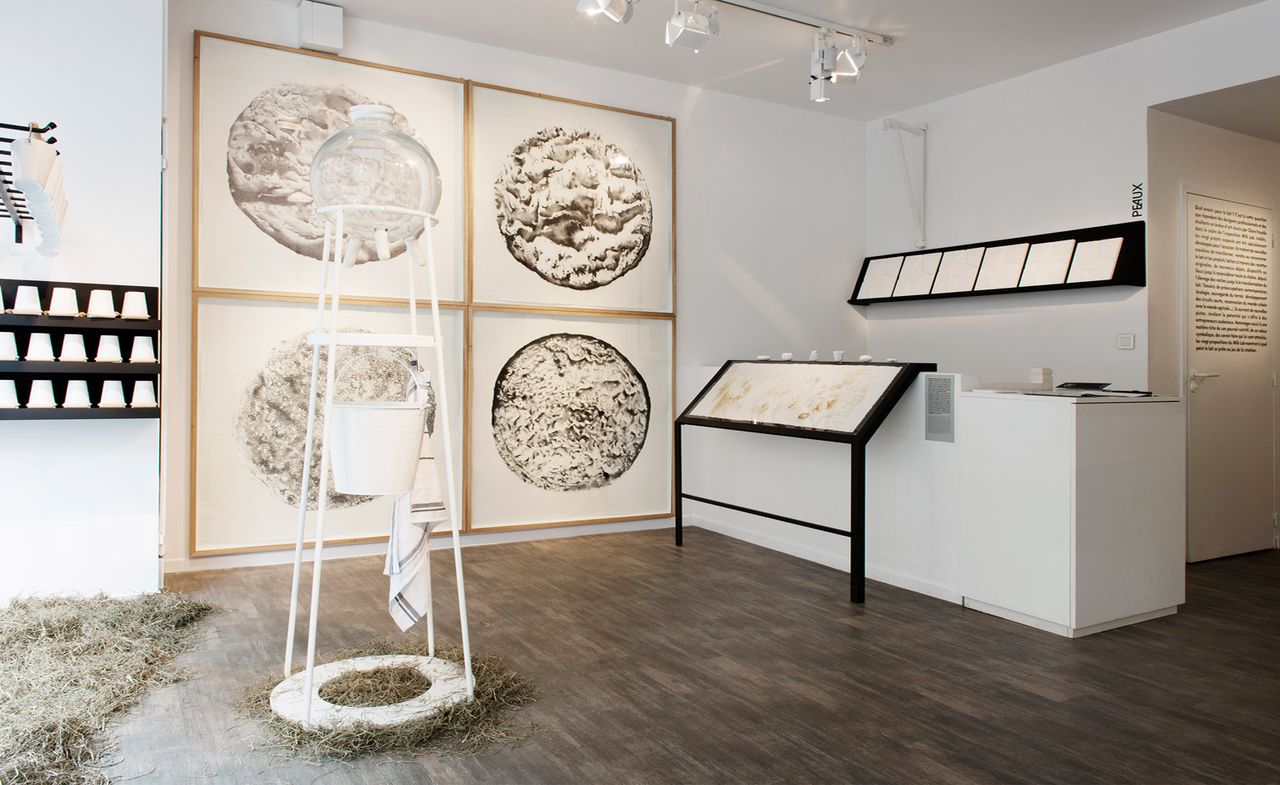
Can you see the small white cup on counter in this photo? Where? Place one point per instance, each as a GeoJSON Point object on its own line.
{"type": "Point", "coordinates": [27, 301]}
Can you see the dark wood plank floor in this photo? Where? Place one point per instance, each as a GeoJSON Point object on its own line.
{"type": "Point", "coordinates": [727, 663]}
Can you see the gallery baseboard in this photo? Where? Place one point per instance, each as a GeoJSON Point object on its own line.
{"type": "Point", "coordinates": [836, 559]}
{"type": "Point", "coordinates": [285, 556]}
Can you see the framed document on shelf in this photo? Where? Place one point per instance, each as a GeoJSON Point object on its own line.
{"type": "Point", "coordinates": [918, 272]}
{"type": "Point", "coordinates": [958, 271]}
{"type": "Point", "coordinates": [1001, 267]}
{"type": "Point", "coordinates": [1047, 264]}
{"type": "Point", "coordinates": [880, 277]}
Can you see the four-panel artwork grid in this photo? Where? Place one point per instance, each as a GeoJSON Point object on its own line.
{"type": "Point", "coordinates": [555, 262]}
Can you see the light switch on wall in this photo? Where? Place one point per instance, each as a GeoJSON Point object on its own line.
{"type": "Point", "coordinates": [1125, 341]}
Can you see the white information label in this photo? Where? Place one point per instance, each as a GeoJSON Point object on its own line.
{"type": "Point", "coordinates": [939, 408]}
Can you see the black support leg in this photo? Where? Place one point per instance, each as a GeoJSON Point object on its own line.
{"type": "Point", "coordinates": [858, 524]}
{"type": "Point", "coordinates": [679, 500]}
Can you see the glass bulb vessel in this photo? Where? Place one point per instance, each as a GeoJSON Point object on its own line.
{"type": "Point", "coordinates": [374, 164]}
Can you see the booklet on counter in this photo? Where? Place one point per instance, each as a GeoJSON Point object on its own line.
{"type": "Point", "coordinates": [1091, 390]}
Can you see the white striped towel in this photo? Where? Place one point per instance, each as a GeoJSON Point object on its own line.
{"type": "Point", "coordinates": [413, 516]}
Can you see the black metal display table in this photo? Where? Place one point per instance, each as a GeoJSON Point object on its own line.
{"type": "Point", "coordinates": [838, 402]}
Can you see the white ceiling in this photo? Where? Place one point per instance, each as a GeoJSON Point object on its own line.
{"type": "Point", "coordinates": [942, 47]}
{"type": "Point", "coordinates": [1252, 108]}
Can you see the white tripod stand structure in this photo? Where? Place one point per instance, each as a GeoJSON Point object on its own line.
{"type": "Point", "coordinates": [296, 700]}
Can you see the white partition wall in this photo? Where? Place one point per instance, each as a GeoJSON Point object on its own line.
{"type": "Point", "coordinates": [82, 498]}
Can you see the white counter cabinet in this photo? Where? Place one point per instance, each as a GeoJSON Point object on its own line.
{"type": "Point", "coordinates": [1072, 510]}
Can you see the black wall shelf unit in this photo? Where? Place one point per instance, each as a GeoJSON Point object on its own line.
{"type": "Point", "coordinates": [23, 372]}
{"type": "Point", "coordinates": [856, 439]}
{"type": "Point", "coordinates": [1130, 265]}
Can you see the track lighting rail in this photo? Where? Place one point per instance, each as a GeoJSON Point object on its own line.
{"type": "Point", "coordinates": [810, 21]}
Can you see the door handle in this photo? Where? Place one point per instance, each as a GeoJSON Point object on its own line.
{"type": "Point", "coordinates": [1198, 376]}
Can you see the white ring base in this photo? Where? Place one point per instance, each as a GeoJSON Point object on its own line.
{"type": "Point", "coordinates": [448, 686]}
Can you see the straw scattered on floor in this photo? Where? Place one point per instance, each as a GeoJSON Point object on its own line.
{"type": "Point", "coordinates": [67, 665]}
{"type": "Point", "coordinates": [465, 728]}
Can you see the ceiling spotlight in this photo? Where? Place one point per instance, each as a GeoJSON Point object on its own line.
{"type": "Point", "coordinates": [614, 10]}
{"type": "Point", "coordinates": [850, 59]}
{"type": "Point", "coordinates": [822, 64]}
{"type": "Point", "coordinates": [691, 28]}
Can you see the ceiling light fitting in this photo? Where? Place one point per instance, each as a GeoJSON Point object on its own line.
{"type": "Point", "coordinates": [831, 60]}
{"type": "Point", "coordinates": [689, 27]}
{"type": "Point", "coordinates": [614, 10]}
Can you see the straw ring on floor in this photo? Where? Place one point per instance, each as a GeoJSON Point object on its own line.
{"type": "Point", "coordinates": [448, 687]}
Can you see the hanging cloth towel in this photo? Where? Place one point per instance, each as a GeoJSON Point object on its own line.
{"type": "Point", "coordinates": [413, 516]}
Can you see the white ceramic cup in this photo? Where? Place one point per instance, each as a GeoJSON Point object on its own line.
{"type": "Point", "coordinates": [8, 394]}
{"type": "Point", "coordinates": [813, 355]}
{"type": "Point", "coordinates": [39, 348]}
{"type": "Point", "coordinates": [64, 302]}
{"type": "Point", "coordinates": [102, 304]}
{"type": "Point", "coordinates": [143, 351]}
{"type": "Point", "coordinates": [144, 395]}
{"type": "Point", "coordinates": [73, 349]}
{"type": "Point", "coordinates": [8, 346]}
{"type": "Point", "coordinates": [77, 396]}
{"type": "Point", "coordinates": [838, 355]}
{"type": "Point", "coordinates": [786, 356]}
{"type": "Point", "coordinates": [32, 164]}
{"type": "Point", "coordinates": [108, 349]}
{"type": "Point", "coordinates": [134, 306]}
{"type": "Point", "coordinates": [112, 395]}
{"type": "Point", "coordinates": [864, 358]}
{"type": "Point", "coordinates": [41, 396]}
{"type": "Point", "coordinates": [28, 301]}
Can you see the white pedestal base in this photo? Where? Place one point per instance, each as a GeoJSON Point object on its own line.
{"type": "Point", "coordinates": [448, 686]}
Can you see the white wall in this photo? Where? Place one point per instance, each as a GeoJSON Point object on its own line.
{"type": "Point", "coordinates": [769, 204]}
{"type": "Point", "coordinates": [81, 499]}
{"type": "Point", "coordinates": [1055, 149]}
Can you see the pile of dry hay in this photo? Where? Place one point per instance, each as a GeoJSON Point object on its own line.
{"type": "Point", "coordinates": [462, 729]}
{"type": "Point", "coordinates": [68, 664]}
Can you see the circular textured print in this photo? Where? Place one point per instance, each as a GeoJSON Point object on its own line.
{"type": "Point", "coordinates": [573, 208]}
{"type": "Point", "coordinates": [272, 424]}
{"type": "Point", "coordinates": [269, 152]}
{"type": "Point", "coordinates": [570, 412]}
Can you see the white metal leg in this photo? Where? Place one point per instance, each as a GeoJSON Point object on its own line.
{"type": "Point", "coordinates": [306, 460]}
{"type": "Point", "coordinates": [323, 494]}
{"type": "Point", "coordinates": [442, 399]}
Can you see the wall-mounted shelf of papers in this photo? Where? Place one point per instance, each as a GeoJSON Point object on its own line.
{"type": "Point", "coordinates": [1082, 258]}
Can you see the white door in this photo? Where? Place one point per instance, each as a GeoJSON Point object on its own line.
{"type": "Point", "coordinates": [1230, 477]}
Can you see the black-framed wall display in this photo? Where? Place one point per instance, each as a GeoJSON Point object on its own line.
{"type": "Point", "coordinates": [1113, 255]}
{"type": "Point", "coordinates": [825, 401]}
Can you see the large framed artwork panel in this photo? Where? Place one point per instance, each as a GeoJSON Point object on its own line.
{"type": "Point", "coordinates": [572, 204]}
{"type": "Point", "coordinates": [261, 112]}
{"type": "Point", "coordinates": [250, 390]}
{"type": "Point", "coordinates": [571, 419]}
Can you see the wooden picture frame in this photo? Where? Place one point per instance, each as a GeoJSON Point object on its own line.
{"type": "Point", "coordinates": [466, 305]}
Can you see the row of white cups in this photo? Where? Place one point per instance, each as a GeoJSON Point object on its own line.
{"type": "Point", "coordinates": [37, 173]}
{"type": "Point", "coordinates": [64, 302]}
{"type": "Point", "coordinates": [77, 397]}
{"type": "Point", "coordinates": [40, 349]}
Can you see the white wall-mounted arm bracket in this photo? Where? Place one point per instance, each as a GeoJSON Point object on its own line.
{"type": "Point", "coordinates": [915, 195]}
